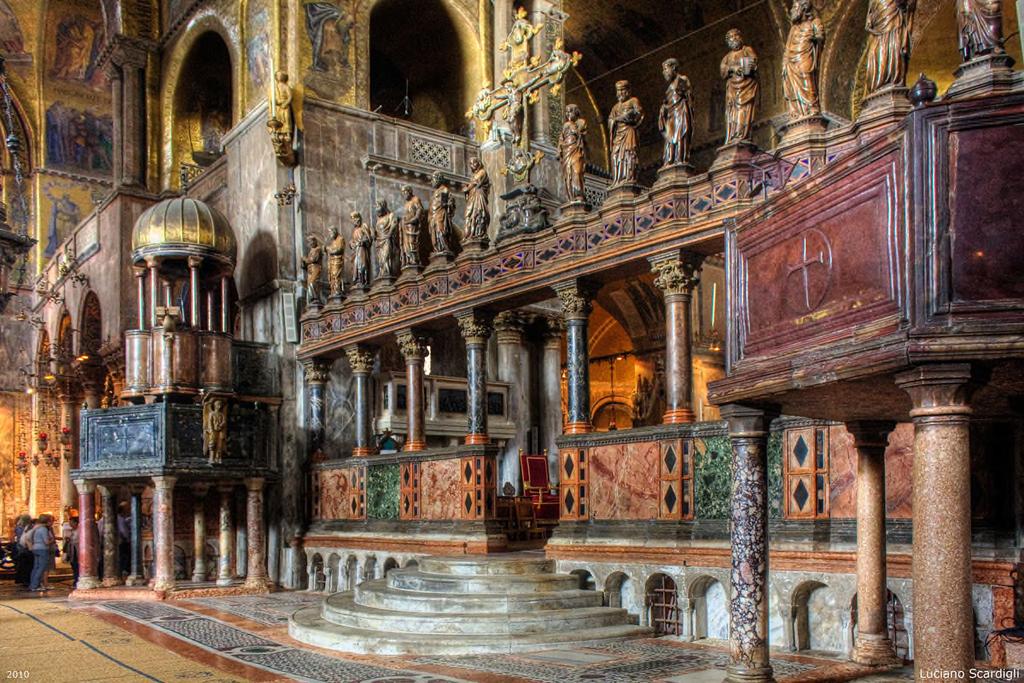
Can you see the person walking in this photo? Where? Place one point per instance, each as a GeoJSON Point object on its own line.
{"type": "Point", "coordinates": [43, 549]}
{"type": "Point", "coordinates": [22, 553]}
{"type": "Point", "coordinates": [70, 554]}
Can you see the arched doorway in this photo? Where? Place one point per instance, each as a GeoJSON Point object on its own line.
{"type": "Point", "coordinates": [202, 105]}
{"type": "Point", "coordinates": [587, 582]}
{"type": "Point", "coordinates": [710, 609]}
{"type": "Point", "coordinates": [663, 605]}
{"type": "Point", "coordinates": [424, 76]}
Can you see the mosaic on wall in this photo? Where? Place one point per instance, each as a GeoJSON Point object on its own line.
{"type": "Point", "coordinates": [63, 204]}
{"type": "Point", "coordinates": [258, 22]}
{"type": "Point", "coordinates": [11, 40]}
{"type": "Point", "coordinates": [329, 49]}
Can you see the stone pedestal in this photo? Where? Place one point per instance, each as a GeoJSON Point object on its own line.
{"type": "Point", "coordinates": [872, 645]}
{"type": "Point", "coordinates": [111, 575]}
{"type": "Point", "coordinates": [414, 350]}
{"type": "Point", "coordinates": [576, 300]}
{"type": "Point", "coordinates": [674, 174]}
{"type": "Point", "coordinates": [796, 131]}
{"type": "Point", "coordinates": [734, 155]}
{"type": "Point", "coordinates": [984, 76]}
{"type": "Point", "coordinates": [137, 575]}
{"type": "Point", "coordinates": [748, 639]}
{"type": "Point", "coordinates": [574, 211]}
{"type": "Point", "coordinates": [476, 330]}
{"type": "Point", "coordinates": [163, 533]}
{"type": "Point", "coordinates": [199, 532]}
{"type": "Point", "coordinates": [676, 274]}
{"type": "Point", "coordinates": [226, 537]}
{"type": "Point", "coordinates": [360, 361]}
{"type": "Point", "coordinates": [256, 562]}
{"type": "Point", "coordinates": [87, 536]}
{"type": "Point", "coordinates": [943, 615]}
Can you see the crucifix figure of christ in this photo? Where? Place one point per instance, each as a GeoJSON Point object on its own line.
{"type": "Point", "coordinates": [522, 82]}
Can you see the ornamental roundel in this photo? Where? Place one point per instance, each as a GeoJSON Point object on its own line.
{"type": "Point", "coordinates": [808, 271]}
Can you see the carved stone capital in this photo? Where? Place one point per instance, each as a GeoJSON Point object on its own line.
{"type": "Point", "coordinates": [476, 327]}
{"type": "Point", "coordinates": [412, 345]}
{"type": "Point", "coordinates": [360, 359]}
{"type": "Point", "coordinates": [677, 273]}
{"type": "Point", "coordinates": [85, 487]}
{"type": "Point", "coordinates": [939, 390]}
{"type": "Point", "coordinates": [254, 483]}
{"type": "Point", "coordinates": [509, 326]}
{"type": "Point", "coordinates": [164, 483]}
{"type": "Point", "coordinates": [576, 299]}
{"type": "Point", "coordinates": [746, 422]}
{"type": "Point", "coordinates": [316, 371]}
{"type": "Point", "coordinates": [870, 436]}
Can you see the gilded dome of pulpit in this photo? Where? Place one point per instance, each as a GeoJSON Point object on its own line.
{"type": "Point", "coordinates": [183, 226]}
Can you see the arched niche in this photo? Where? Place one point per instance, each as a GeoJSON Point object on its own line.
{"type": "Point", "coordinates": [90, 337]}
{"type": "Point", "coordinates": [423, 43]}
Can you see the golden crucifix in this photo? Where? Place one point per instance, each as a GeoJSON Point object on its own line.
{"type": "Point", "coordinates": [522, 81]}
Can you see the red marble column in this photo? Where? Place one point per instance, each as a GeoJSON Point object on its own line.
{"type": "Point", "coordinates": [872, 646]}
{"type": "Point", "coordinates": [199, 532]}
{"type": "Point", "coordinates": [676, 274]}
{"type": "Point", "coordinates": [256, 562]}
{"type": "Point", "coordinates": [414, 350]}
{"type": "Point", "coordinates": [87, 536]}
{"type": "Point", "coordinates": [163, 532]}
{"type": "Point", "coordinates": [111, 568]}
{"type": "Point", "coordinates": [943, 614]}
{"type": "Point", "coordinates": [227, 535]}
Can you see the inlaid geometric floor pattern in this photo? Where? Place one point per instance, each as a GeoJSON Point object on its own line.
{"type": "Point", "coordinates": [272, 610]}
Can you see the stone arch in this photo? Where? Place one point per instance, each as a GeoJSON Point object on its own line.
{"type": "Point", "coordinates": [818, 621]}
{"type": "Point", "coordinates": [351, 569]}
{"type": "Point", "coordinates": [617, 588]}
{"type": "Point", "coordinates": [709, 608]}
{"type": "Point", "coordinates": [333, 569]}
{"type": "Point", "coordinates": [90, 324]}
{"type": "Point", "coordinates": [318, 578]}
{"type": "Point", "coordinates": [369, 569]}
{"type": "Point", "coordinates": [661, 601]}
{"type": "Point", "coordinates": [389, 564]}
{"type": "Point", "coordinates": [586, 579]}
{"type": "Point", "coordinates": [412, 563]}
{"type": "Point", "coordinates": [206, 22]}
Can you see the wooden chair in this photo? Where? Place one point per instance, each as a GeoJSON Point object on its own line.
{"type": "Point", "coordinates": [537, 487]}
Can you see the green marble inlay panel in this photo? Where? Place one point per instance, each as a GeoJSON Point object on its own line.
{"type": "Point", "coordinates": [382, 492]}
{"type": "Point", "coordinates": [712, 477]}
{"type": "Point", "coordinates": [775, 475]}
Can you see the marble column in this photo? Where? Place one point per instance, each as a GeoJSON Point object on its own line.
{"type": "Point", "coordinates": [163, 532]}
{"type": "Point", "coordinates": [316, 372]}
{"type": "Point", "coordinates": [676, 275]}
{"type": "Point", "coordinates": [515, 369]}
{"type": "Point", "coordinates": [111, 572]}
{"type": "Point", "coordinates": [576, 300]}
{"type": "Point", "coordinates": [748, 634]}
{"type": "Point", "coordinates": [113, 74]}
{"type": "Point", "coordinates": [70, 404]}
{"type": "Point", "coordinates": [92, 383]}
{"type": "Point", "coordinates": [943, 618]}
{"type": "Point", "coordinates": [227, 535]}
{"type": "Point", "coordinates": [132, 61]}
{"type": "Point", "coordinates": [137, 575]}
{"type": "Point", "coordinates": [154, 289]}
{"type": "Point", "coordinates": [140, 303]}
{"type": "Point", "coordinates": [476, 330]}
{"type": "Point", "coordinates": [199, 568]}
{"type": "Point", "coordinates": [87, 536]}
{"type": "Point", "coordinates": [360, 360]}
{"type": "Point", "coordinates": [414, 350]}
{"type": "Point", "coordinates": [256, 557]}
{"type": "Point", "coordinates": [194, 313]}
{"type": "Point", "coordinates": [551, 418]}
{"type": "Point", "coordinates": [872, 645]}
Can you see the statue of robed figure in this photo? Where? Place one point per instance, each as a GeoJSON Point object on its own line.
{"type": "Point", "coordinates": [889, 24]}
{"type": "Point", "coordinates": [675, 118]}
{"type": "Point", "coordinates": [387, 229]}
{"type": "Point", "coordinates": [739, 69]}
{"type": "Point", "coordinates": [362, 242]}
{"type": "Point", "coordinates": [981, 27]}
{"type": "Point", "coordinates": [624, 125]}
{"type": "Point", "coordinates": [801, 60]}
{"type": "Point", "coordinates": [572, 153]}
{"type": "Point", "coordinates": [478, 215]}
{"type": "Point", "coordinates": [442, 214]}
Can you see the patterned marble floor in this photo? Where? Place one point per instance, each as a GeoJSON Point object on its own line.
{"type": "Point", "coordinates": [247, 635]}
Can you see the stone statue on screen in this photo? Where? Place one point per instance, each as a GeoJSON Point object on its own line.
{"type": "Point", "coordinates": [675, 118]}
{"type": "Point", "coordinates": [413, 218]}
{"type": "Point", "coordinates": [215, 428]}
{"type": "Point", "coordinates": [283, 101]}
{"type": "Point", "coordinates": [442, 215]}
{"type": "Point", "coordinates": [572, 153]}
{"type": "Point", "coordinates": [387, 236]}
{"type": "Point", "coordinates": [889, 24]}
{"type": "Point", "coordinates": [362, 242]}
{"type": "Point", "coordinates": [312, 263]}
{"type": "Point", "coordinates": [981, 27]}
{"type": "Point", "coordinates": [336, 263]}
{"type": "Point", "coordinates": [739, 69]}
{"type": "Point", "coordinates": [801, 60]}
{"type": "Point", "coordinates": [478, 214]}
{"type": "Point", "coordinates": [624, 126]}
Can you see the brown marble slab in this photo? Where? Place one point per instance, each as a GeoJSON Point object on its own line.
{"type": "Point", "coordinates": [439, 489]}
{"type": "Point", "coordinates": [624, 481]}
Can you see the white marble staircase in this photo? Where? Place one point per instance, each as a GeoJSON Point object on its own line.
{"type": "Point", "coordinates": [464, 605]}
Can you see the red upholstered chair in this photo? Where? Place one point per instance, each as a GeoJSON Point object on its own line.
{"type": "Point", "coordinates": [536, 485]}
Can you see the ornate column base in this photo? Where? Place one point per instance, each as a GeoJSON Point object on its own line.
{"type": "Point", "coordinates": [678, 416]}
{"type": "Point", "coordinates": [133, 580]}
{"type": "Point", "coordinates": [263, 585]}
{"type": "Point", "coordinates": [579, 428]}
{"type": "Point", "coordinates": [873, 649]}
{"type": "Point", "coordinates": [477, 439]}
{"type": "Point", "coordinates": [412, 446]}
{"type": "Point", "coordinates": [362, 451]}
{"type": "Point", "coordinates": [225, 582]}
{"type": "Point", "coordinates": [758, 675]}
{"type": "Point", "coordinates": [86, 583]}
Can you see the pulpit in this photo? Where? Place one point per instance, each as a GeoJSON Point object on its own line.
{"type": "Point", "coordinates": [537, 487]}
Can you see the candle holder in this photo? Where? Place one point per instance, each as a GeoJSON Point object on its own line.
{"type": "Point", "coordinates": [51, 459]}
{"type": "Point", "coordinates": [41, 441]}
{"type": "Point", "coordinates": [22, 464]}
{"type": "Point", "coordinates": [65, 437]}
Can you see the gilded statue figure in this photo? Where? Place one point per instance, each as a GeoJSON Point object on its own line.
{"type": "Point", "coordinates": [387, 229]}
{"type": "Point", "coordinates": [801, 60]}
{"type": "Point", "coordinates": [739, 69]}
{"type": "Point", "coordinates": [412, 224]}
{"type": "Point", "coordinates": [336, 263]}
{"type": "Point", "coordinates": [312, 263]}
{"type": "Point", "coordinates": [478, 215]}
{"type": "Point", "coordinates": [981, 27]}
{"type": "Point", "coordinates": [624, 124]}
{"type": "Point", "coordinates": [215, 428]}
{"type": "Point", "coordinates": [888, 25]}
{"type": "Point", "coordinates": [362, 242]}
{"type": "Point", "coordinates": [283, 101]}
{"type": "Point", "coordinates": [572, 153]}
{"type": "Point", "coordinates": [675, 119]}
{"type": "Point", "coordinates": [442, 213]}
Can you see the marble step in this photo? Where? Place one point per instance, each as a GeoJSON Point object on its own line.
{"type": "Point", "coordinates": [378, 594]}
{"type": "Point", "coordinates": [511, 584]}
{"type": "Point", "coordinates": [309, 626]}
{"type": "Point", "coordinates": [342, 609]}
{"type": "Point", "coordinates": [478, 565]}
